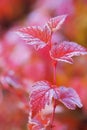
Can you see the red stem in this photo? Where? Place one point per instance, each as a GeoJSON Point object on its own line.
{"type": "Point", "coordinates": [54, 80]}
{"type": "Point", "coordinates": [54, 71]}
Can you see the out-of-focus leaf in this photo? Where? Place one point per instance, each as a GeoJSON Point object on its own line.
{"type": "Point", "coordinates": [66, 50]}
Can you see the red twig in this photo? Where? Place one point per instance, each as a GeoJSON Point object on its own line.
{"type": "Point", "coordinates": [54, 72]}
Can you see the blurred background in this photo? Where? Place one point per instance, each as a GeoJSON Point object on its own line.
{"type": "Point", "coordinates": [21, 65]}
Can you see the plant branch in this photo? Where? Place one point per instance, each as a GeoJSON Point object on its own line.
{"type": "Point", "coordinates": [54, 72]}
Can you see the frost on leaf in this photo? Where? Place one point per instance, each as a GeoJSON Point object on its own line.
{"type": "Point", "coordinates": [69, 98]}
{"type": "Point", "coordinates": [66, 50]}
{"type": "Point", "coordinates": [42, 95]}
{"type": "Point", "coordinates": [36, 36]}
{"type": "Point", "coordinates": [55, 23]}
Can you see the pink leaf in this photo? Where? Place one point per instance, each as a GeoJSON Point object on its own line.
{"type": "Point", "coordinates": [69, 98]}
{"type": "Point", "coordinates": [38, 122]}
{"type": "Point", "coordinates": [42, 95]}
{"type": "Point", "coordinates": [36, 36]}
{"type": "Point", "coordinates": [66, 50]}
{"type": "Point", "coordinates": [55, 23]}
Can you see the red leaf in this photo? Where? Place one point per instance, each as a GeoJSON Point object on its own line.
{"type": "Point", "coordinates": [69, 98]}
{"type": "Point", "coordinates": [38, 122]}
{"type": "Point", "coordinates": [36, 36]}
{"type": "Point", "coordinates": [42, 95]}
{"type": "Point", "coordinates": [55, 23]}
{"type": "Point", "coordinates": [66, 50]}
